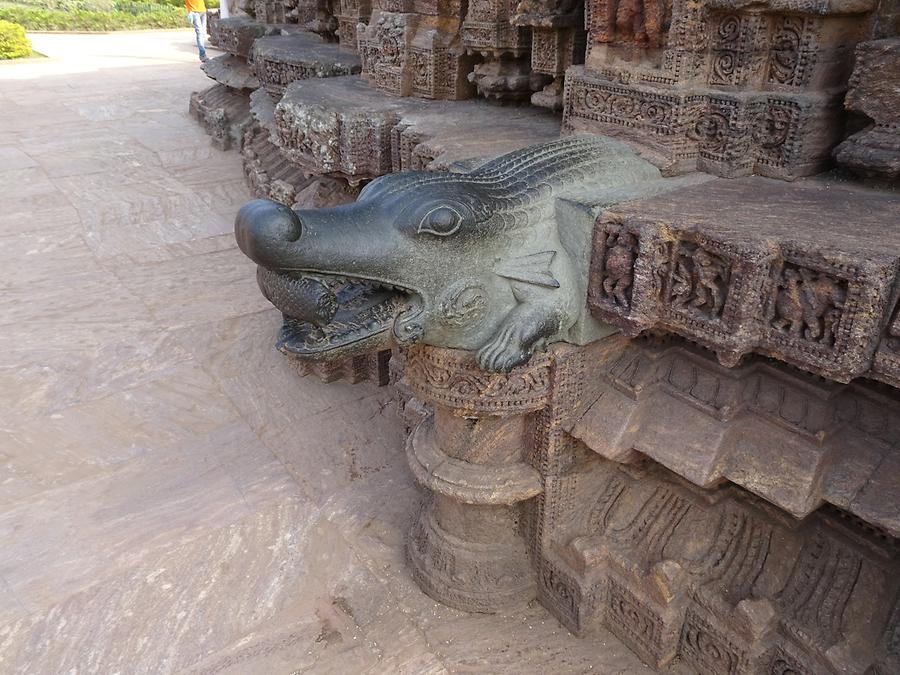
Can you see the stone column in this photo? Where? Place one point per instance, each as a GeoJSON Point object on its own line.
{"type": "Point", "coordinates": [466, 549]}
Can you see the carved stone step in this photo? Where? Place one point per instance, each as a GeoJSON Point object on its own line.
{"type": "Point", "coordinates": [804, 273]}
{"type": "Point", "coordinates": [279, 60]}
{"type": "Point", "coordinates": [232, 71]}
{"type": "Point", "coordinates": [343, 127]}
{"type": "Point", "coordinates": [224, 113]}
{"type": "Point", "coordinates": [236, 34]}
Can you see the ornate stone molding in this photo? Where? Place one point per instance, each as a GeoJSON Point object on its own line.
{"type": "Point", "coordinates": [347, 128]}
{"type": "Point", "coordinates": [790, 438]}
{"type": "Point", "coordinates": [452, 378]}
{"type": "Point", "coordinates": [715, 578]}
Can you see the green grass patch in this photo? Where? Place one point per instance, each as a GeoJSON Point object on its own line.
{"type": "Point", "coordinates": [96, 15]}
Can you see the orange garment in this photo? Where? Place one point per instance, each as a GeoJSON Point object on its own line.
{"type": "Point", "coordinates": [195, 5]}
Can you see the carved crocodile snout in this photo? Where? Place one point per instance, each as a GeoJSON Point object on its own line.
{"type": "Point", "coordinates": [265, 231]}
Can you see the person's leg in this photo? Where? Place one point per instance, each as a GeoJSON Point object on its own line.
{"type": "Point", "coordinates": [196, 22]}
{"type": "Point", "coordinates": [203, 31]}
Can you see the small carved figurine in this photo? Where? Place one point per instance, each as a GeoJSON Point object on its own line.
{"type": "Point", "coordinates": [619, 267]}
{"type": "Point", "coordinates": [808, 304]}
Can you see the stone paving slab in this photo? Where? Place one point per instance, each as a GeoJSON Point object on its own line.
{"type": "Point", "coordinates": [173, 498]}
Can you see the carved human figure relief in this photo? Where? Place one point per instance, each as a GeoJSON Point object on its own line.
{"type": "Point", "coordinates": [809, 305]}
{"type": "Point", "coordinates": [618, 269]}
{"type": "Point", "coordinates": [699, 281]}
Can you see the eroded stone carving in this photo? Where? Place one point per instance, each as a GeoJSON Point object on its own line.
{"type": "Point", "coordinates": [873, 93]}
{"type": "Point", "coordinates": [660, 401]}
{"type": "Point", "coordinates": [282, 59]}
{"type": "Point", "coordinates": [714, 577]}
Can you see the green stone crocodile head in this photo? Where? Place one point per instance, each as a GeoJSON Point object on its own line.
{"type": "Point", "coordinates": [479, 260]}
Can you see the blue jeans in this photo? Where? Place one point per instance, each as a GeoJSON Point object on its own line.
{"type": "Point", "coordinates": [198, 21]}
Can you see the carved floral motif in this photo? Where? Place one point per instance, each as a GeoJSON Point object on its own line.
{"type": "Point", "coordinates": [452, 378]}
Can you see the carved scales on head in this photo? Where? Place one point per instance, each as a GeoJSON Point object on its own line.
{"type": "Point", "coordinates": [467, 260]}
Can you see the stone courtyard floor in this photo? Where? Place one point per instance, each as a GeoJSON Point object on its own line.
{"type": "Point", "coordinates": [173, 497]}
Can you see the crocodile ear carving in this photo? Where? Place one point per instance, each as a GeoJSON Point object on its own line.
{"type": "Point", "coordinates": [532, 269]}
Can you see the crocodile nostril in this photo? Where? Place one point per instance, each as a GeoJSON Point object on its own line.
{"type": "Point", "coordinates": [262, 227]}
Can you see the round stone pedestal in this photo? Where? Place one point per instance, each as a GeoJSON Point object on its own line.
{"type": "Point", "coordinates": [465, 549]}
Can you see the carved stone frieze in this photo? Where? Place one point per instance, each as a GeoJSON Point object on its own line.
{"type": "Point", "coordinates": [350, 14]}
{"type": "Point", "coordinates": [706, 265]}
{"type": "Point", "coordinates": [488, 29]}
{"type": "Point", "coordinates": [409, 54]}
{"type": "Point", "coordinates": [271, 176]}
{"type": "Point", "coordinates": [452, 378]}
{"type": "Point", "coordinates": [713, 578]}
{"type": "Point", "coordinates": [349, 129]}
{"type": "Point", "coordinates": [718, 86]}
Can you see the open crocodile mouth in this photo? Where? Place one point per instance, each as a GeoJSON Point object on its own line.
{"type": "Point", "coordinates": [325, 312]}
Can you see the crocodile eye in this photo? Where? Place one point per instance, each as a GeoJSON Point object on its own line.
{"type": "Point", "coordinates": [442, 221]}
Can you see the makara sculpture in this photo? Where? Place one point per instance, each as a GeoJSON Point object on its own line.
{"type": "Point", "coordinates": [488, 260]}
